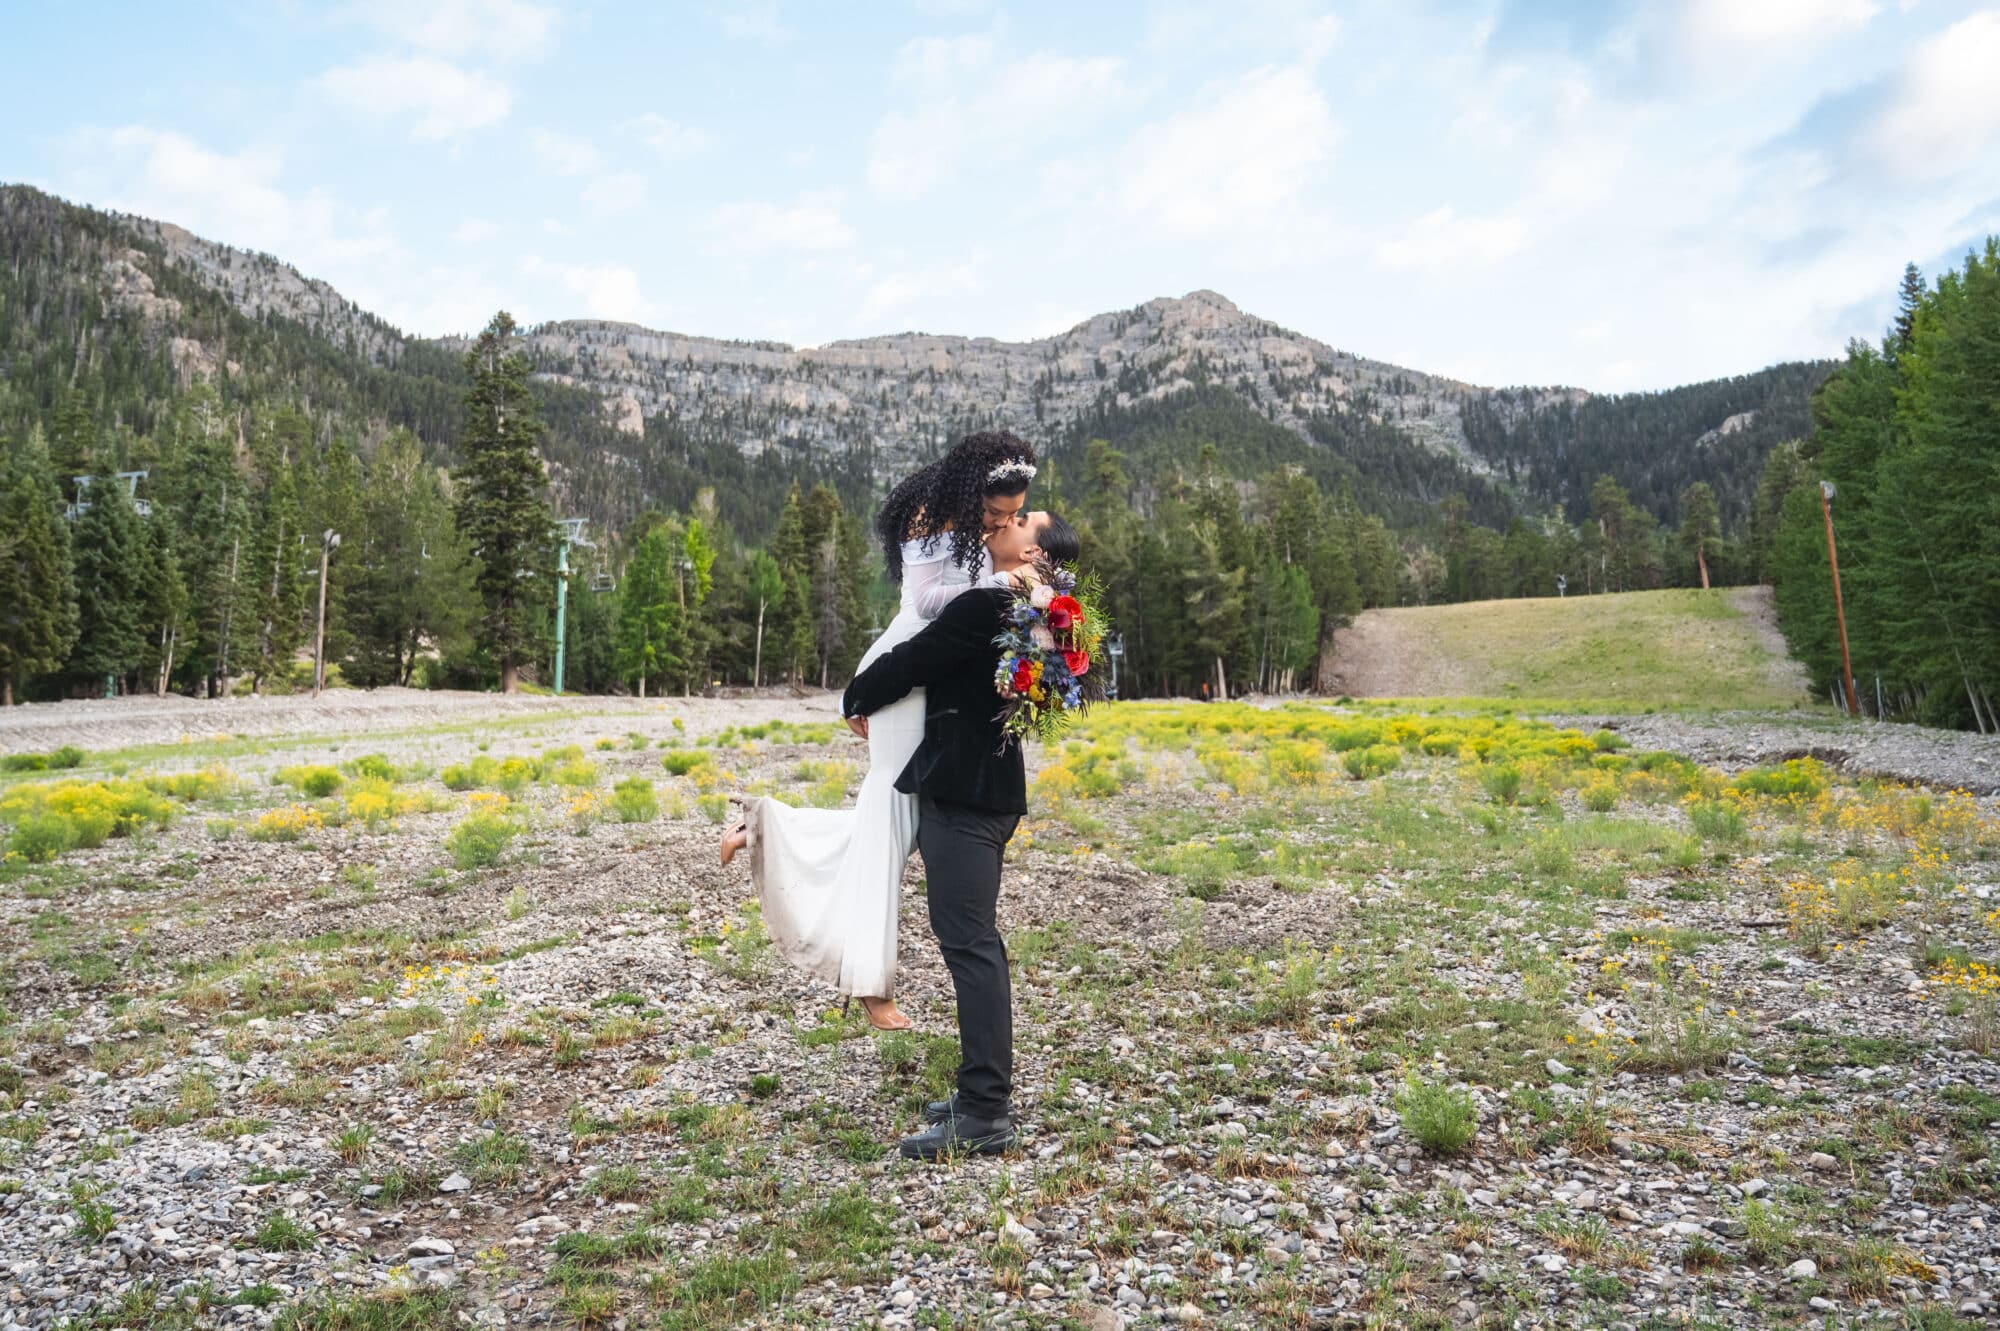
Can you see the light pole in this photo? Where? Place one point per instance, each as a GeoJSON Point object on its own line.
{"type": "Point", "coordinates": [1114, 646]}
{"type": "Point", "coordinates": [1839, 612]}
{"type": "Point", "coordinates": [1562, 586]}
{"type": "Point", "coordinates": [329, 541]}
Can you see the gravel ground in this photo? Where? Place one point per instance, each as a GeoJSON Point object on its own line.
{"type": "Point", "coordinates": [1945, 759]}
{"type": "Point", "coordinates": [191, 1024]}
{"type": "Point", "coordinates": [117, 723]}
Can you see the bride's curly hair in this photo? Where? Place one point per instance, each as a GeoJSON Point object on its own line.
{"type": "Point", "coordinates": [949, 496]}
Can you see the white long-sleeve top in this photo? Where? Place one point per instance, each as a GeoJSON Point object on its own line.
{"type": "Point", "coordinates": [931, 579]}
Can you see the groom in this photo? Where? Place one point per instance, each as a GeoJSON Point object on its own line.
{"type": "Point", "coordinates": [971, 792]}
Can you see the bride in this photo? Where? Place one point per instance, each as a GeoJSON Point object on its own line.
{"type": "Point", "coordinates": [830, 879]}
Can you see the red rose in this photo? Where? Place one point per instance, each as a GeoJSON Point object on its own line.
{"type": "Point", "coordinates": [1078, 662]}
{"type": "Point", "coordinates": [1064, 611]}
{"type": "Point", "coordinates": [1024, 678]}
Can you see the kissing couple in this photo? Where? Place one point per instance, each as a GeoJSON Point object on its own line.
{"type": "Point", "coordinates": [942, 778]}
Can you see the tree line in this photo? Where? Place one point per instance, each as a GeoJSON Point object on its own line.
{"type": "Point", "coordinates": [189, 559]}
{"type": "Point", "coordinates": [1907, 435]}
{"type": "Point", "coordinates": [202, 574]}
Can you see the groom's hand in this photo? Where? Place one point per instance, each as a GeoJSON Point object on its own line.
{"type": "Point", "coordinates": [859, 725]}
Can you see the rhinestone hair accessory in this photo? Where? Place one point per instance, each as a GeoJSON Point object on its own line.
{"type": "Point", "coordinates": [1008, 470]}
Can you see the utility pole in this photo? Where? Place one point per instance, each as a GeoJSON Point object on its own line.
{"type": "Point", "coordinates": [329, 541]}
{"type": "Point", "coordinates": [1839, 611]}
{"type": "Point", "coordinates": [569, 532]}
{"type": "Point", "coordinates": [1114, 647]}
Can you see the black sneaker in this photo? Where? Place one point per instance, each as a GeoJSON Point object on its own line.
{"type": "Point", "coordinates": [961, 1135]}
{"type": "Point", "coordinates": [937, 1111]}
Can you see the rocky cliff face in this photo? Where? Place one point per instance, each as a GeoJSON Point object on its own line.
{"type": "Point", "coordinates": [259, 284]}
{"type": "Point", "coordinates": [913, 391]}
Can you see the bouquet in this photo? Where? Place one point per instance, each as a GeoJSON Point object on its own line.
{"type": "Point", "coordinates": [1048, 672]}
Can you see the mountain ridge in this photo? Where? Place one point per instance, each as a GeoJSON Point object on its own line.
{"type": "Point", "coordinates": [868, 408]}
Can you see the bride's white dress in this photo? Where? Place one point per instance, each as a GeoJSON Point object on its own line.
{"type": "Point", "coordinates": [830, 880]}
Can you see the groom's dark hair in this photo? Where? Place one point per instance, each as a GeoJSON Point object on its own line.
{"type": "Point", "coordinates": [1058, 540]}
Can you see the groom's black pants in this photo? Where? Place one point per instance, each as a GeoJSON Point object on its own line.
{"type": "Point", "coordinates": [962, 848]}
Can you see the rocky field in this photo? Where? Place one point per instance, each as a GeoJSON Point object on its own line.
{"type": "Point", "coordinates": [1328, 1016]}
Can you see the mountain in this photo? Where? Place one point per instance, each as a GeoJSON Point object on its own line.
{"type": "Point", "coordinates": [131, 309]}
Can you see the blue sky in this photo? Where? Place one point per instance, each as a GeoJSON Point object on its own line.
{"type": "Point", "coordinates": [1614, 195]}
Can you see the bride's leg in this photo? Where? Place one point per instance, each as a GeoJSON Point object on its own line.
{"type": "Point", "coordinates": [884, 1015]}
{"type": "Point", "coordinates": [735, 839]}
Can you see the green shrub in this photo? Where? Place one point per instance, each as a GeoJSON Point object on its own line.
{"type": "Point", "coordinates": [579, 773]}
{"type": "Point", "coordinates": [1717, 820]}
{"type": "Point", "coordinates": [372, 767]}
{"type": "Point", "coordinates": [314, 781]}
{"type": "Point", "coordinates": [1442, 1119]}
{"type": "Point", "coordinates": [715, 805]}
{"type": "Point", "coordinates": [1372, 761]}
{"type": "Point", "coordinates": [1501, 781]}
{"type": "Point", "coordinates": [1798, 776]}
{"type": "Point", "coordinates": [480, 839]}
{"type": "Point", "coordinates": [633, 800]}
{"type": "Point", "coordinates": [1295, 762]}
{"type": "Point", "coordinates": [66, 757]}
{"type": "Point", "coordinates": [41, 837]}
{"type": "Point", "coordinates": [24, 762]}
{"type": "Point", "coordinates": [679, 762]}
{"type": "Point", "coordinates": [470, 776]}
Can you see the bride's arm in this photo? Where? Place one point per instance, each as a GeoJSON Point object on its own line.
{"type": "Point", "coordinates": [934, 583]}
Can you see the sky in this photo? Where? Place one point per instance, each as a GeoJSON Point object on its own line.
{"type": "Point", "coordinates": [1618, 195]}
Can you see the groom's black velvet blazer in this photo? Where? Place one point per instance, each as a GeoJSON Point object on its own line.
{"type": "Point", "coordinates": [962, 759]}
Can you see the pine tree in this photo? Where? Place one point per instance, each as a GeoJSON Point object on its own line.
{"type": "Point", "coordinates": [767, 586]}
{"type": "Point", "coordinates": [281, 592]}
{"type": "Point", "coordinates": [503, 511]}
{"type": "Point", "coordinates": [1214, 601]}
{"type": "Point", "coordinates": [166, 605]}
{"type": "Point", "coordinates": [694, 566]}
{"type": "Point", "coordinates": [792, 626]}
{"type": "Point", "coordinates": [337, 507]}
{"type": "Point", "coordinates": [38, 612]}
{"type": "Point", "coordinates": [413, 579]}
{"type": "Point", "coordinates": [206, 496]}
{"type": "Point", "coordinates": [111, 557]}
{"type": "Point", "coordinates": [73, 440]}
{"type": "Point", "coordinates": [1909, 302]}
{"type": "Point", "coordinates": [1701, 526]}
{"type": "Point", "coordinates": [649, 633]}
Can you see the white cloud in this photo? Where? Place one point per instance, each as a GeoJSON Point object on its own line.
{"type": "Point", "coordinates": [755, 20]}
{"type": "Point", "coordinates": [811, 223]}
{"type": "Point", "coordinates": [234, 198]}
{"type": "Point", "coordinates": [565, 154]}
{"type": "Point", "coordinates": [1740, 23]}
{"type": "Point", "coordinates": [668, 138]}
{"type": "Point", "coordinates": [605, 291]}
{"type": "Point", "coordinates": [897, 298]}
{"type": "Point", "coordinates": [971, 107]}
{"type": "Point", "coordinates": [619, 192]}
{"type": "Point", "coordinates": [449, 301]}
{"type": "Point", "coordinates": [1443, 239]}
{"type": "Point", "coordinates": [1943, 113]}
{"type": "Point", "coordinates": [504, 29]}
{"type": "Point", "coordinates": [1246, 154]}
{"type": "Point", "coordinates": [443, 99]}
{"type": "Point", "coordinates": [475, 231]}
